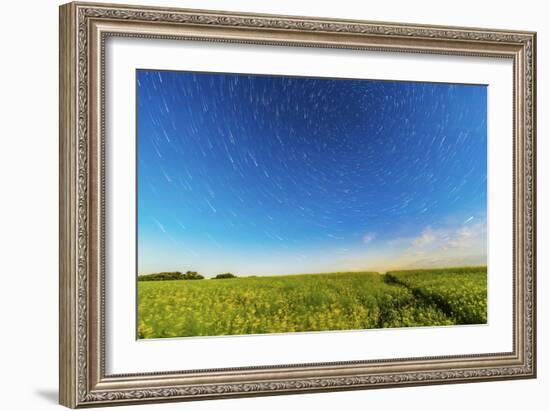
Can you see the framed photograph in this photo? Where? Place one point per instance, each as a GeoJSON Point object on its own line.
{"type": "Point", "coordinates": [259, 204]}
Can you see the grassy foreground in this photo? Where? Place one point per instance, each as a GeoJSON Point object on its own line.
{"type": "Point", "coordinates": [312, 302]}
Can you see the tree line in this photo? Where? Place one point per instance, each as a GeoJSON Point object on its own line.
{"type": "Point", "coordinates": [178, 275]}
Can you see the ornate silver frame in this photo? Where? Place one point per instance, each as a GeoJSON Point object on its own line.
{"type": "Point", "coordinates": [83, 30]}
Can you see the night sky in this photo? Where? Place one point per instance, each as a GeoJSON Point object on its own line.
{"type": "Point", "coordinates": [265, 175]}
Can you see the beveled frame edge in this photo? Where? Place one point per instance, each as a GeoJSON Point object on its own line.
{"type": "Point", "coordinates": [83, 28]}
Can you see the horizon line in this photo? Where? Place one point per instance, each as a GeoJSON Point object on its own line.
{"type": "Point", "coordinates": [331, 272]}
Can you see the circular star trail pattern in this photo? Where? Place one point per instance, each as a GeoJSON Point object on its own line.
{"type": "Point", "coordinates": [254, 161]}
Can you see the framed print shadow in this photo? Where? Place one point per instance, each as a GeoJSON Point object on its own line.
{"type": "Point", "coordinates": [259, 204]}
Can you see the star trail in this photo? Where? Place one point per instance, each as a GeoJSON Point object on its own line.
{"type": "Point", "coordinates": [261, 175]}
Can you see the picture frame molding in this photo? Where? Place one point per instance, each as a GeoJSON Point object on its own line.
{"type": "Point", "coordinates": [84, 28]}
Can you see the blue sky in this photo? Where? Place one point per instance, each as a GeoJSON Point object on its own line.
{"type": "Point", "coordinates": [273, 175]}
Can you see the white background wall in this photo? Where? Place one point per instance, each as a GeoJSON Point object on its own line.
{"type": "Point", "coordinates": [29, 189]}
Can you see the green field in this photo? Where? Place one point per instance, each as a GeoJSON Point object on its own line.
{"type": "Point", "coordinates": [312, 302]}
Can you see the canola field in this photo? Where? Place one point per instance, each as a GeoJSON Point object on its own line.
{"type": "Point", "coordinates": [312, 302]}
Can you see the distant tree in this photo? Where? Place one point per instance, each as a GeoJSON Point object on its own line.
{"type": "Point", "coordinates": [224, 276]}
{"type": "Point", "coordinates": [173, 275]}
{"type": "Point", "coordinates": [192, 275]}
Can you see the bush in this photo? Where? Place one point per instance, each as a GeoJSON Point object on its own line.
{"type": "Point", "coordinates": [223, 276]}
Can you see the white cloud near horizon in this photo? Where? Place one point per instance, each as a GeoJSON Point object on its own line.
{"type": "Point", "coordinates": [452, 245]}
{"type": "Point", "coordinates": [368, 237]}
{"type": "Point", "coordinates": [462, 237]}
{"type": "Point", "coordinates": [427, 237]}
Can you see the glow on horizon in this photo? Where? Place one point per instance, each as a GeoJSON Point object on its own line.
{"type": "Point", "coordinates": [265, 175]}
{"type": "Point", "coordinates": [451, 246]}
